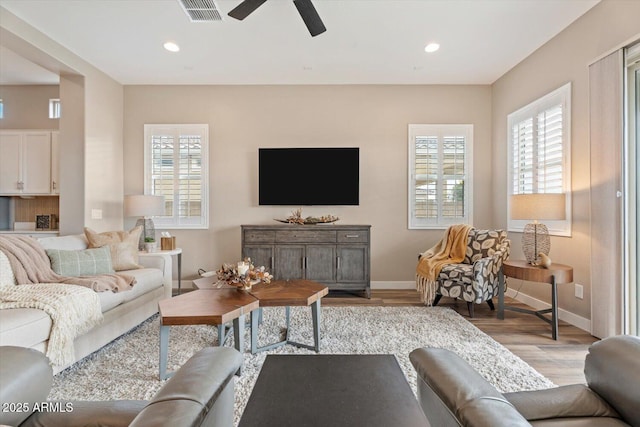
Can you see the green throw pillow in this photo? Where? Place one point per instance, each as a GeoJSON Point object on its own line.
{"type": "Point", "coordinates": [87, 262]}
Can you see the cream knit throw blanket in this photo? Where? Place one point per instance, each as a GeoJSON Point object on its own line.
{"type": "Point", "coordinates": [31, 265]}
{"type": "Point", "coordinates": [74, 310]}
{"type": "Point", "coordinates": [450, 249]}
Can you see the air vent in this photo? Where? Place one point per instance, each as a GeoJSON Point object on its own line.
{"type": "Point", "coordinates": [201, 10]}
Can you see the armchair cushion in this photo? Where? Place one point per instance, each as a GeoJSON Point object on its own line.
{"type": "Point", "coordinates": [113, 413]}
{"type": "Point", "coordinates": [201, 393]}
{"type": "Point", "coordinates": [483, 244]}
{"type": "Point", "coordinates": [612, 369]}
{"type": "Point", "coordinates": [575, 400]}
{"type": "Point", "coordinates": [194, 395]}
{"type": "Point", "coordinates": [25, 379]}
{"type": "Point", "coordinates": [453, 394]}
{"type": "Point", "coordinates": [475, 280]}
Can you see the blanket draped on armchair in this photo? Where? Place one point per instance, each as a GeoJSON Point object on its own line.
{"type": "Point", "coordinates": [450, 249]}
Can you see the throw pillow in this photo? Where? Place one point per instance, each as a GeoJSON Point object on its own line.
{"type": "Point", "coordinates": [123, 246]}
{"type": "Point", "coordinates": [87, 262]}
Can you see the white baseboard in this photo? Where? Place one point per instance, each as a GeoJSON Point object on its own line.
{"type": "Point", "coordinates": [567, 316]}
{"type": "Point", "coordinates": [393, 285]}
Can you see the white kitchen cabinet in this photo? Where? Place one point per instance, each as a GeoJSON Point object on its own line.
{"type": "Point", "coordinates": [55, 163]}
{"type": "Point", "coordinates": [25, 162]}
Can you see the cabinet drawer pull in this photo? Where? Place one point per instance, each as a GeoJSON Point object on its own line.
{"type": "Point", "coordinates": [352, 236]}
{"type": "Point", "coordinates": [338, 263]}
{"type": "Point", "coordinates": [271, 264]}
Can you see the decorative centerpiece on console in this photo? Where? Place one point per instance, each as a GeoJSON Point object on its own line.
{"type": "Point", "coordinates": [242, 275]}
{"type": "Point", "coordinates": [296, 218]}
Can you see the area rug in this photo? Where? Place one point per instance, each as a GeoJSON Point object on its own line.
{"type": "Point", "coordinates": [127, 368]}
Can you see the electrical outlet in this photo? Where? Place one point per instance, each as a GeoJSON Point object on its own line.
{"type": "Point", "coordinates": [96, 213]}
{"type": "Point", "coordinates": [579, 291]}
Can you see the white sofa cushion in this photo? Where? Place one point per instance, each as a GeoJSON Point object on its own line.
{"type": "Point", "coordinates": [147, 279]}
{"type": "Point", "coordinates": [109, 300]}
{"type": "Point", "coordinates": [24, 327]}
{"type": "Point", "coordinates": [70, 243]}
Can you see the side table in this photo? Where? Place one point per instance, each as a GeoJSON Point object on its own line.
{"type": "Point", "coordinates": [169, 253]}
{"type": "Point", "coordinates": [554, 275]}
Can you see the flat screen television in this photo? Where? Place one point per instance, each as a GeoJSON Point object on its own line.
{"type": "Point", "coordinates": [309, 176]}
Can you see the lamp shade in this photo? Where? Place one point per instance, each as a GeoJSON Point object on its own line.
{"type": "Point", "coordinates": [549, 206]}
{"type": "Point", "coordinates": [143, 205]}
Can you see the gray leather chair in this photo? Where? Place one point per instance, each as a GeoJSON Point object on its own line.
{"type": "Point", "coordinates": [453, 394]}
{"type": "Point", "coordinates": [201, 393]}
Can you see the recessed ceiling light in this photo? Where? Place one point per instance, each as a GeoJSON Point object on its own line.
{"type": "Point", "coordinates": [431, 47]}
{"type": "Point", "coordinates": [171, 47]}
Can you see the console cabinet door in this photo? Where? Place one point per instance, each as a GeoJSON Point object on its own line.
{"type": "Point", "coordinates": [321, 263]}
{"type": "Point", "coordinates": [352, 263]}
{"type": "Point", "coordinates": [261, 255]}
{"type": "Point", "coordinates": [289, 262]}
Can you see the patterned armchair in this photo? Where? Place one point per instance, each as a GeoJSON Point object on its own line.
{"type": "Point", "coordinates": [476, 279]}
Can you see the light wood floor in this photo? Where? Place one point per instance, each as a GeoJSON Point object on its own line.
{"type": "Point", "coordinates": [561, 361]}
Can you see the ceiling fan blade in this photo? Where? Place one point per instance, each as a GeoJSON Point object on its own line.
{"type": "Point", "coordinates": [245, 9]}
{"type": "Point", "coordinates": [310, 17]}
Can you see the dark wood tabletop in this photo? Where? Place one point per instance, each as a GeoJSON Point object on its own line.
{"type": "Point", "coordinates": [288, 293]}
{"type": "Point", "coordinates": [520, 269]}
{"type": "Point", "coordinates": [332, 390]}
{"type": "Point", "coordinates": [206, 307]}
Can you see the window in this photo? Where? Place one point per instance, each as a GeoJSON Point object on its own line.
{"type": "Point", "coordinates": [539, 153]}
{"type": "Point", "coordinates": [176, 167]}
{"type": "Point", "coordinates": [440, 170]}
{"type": "Point", "coordinates": [54, 108]}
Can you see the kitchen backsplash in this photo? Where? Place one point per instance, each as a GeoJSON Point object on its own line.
{"type": "Point", "coordinates": [27, 209]}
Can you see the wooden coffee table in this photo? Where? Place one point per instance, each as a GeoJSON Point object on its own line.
{"type": "Point", "coordinates": [288, 293]}
{"type": "Point", "coordinates": [337, 390]}
{"type": "Point", "coordinates": [204, 307]}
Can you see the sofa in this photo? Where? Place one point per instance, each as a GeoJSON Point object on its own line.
{"type": "Point", "coordinates": [201, 393]}
{"type": "Point", "coordinates": [453, 394]}
{"type": "Point", "coordinates": [122, 311]}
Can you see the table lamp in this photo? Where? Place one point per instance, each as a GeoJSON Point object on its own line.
{"type": "Point", "coordinates": [145, 206]}
{"type": "Point", "coordinates": [539, 206]}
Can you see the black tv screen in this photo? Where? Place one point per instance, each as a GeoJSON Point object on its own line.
{"type": "Point", "coordinates": [308, 176]}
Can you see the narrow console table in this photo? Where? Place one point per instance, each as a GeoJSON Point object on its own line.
{"type": "Point", "coordinates": [335, 255]}
{"type": "Point", "coordinates": [554, 275]}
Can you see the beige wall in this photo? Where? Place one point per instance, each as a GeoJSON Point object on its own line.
{"type": "Point", "coordinates": [565, 58]}
{"type": "Point", "coordinates": [91, 144]}
{"type": "Point", "coordinates": [243, 118]}
{"type": "Point", "coordinates": [375, 118]}
{"type": "Point", "coordinates": [27, 107]}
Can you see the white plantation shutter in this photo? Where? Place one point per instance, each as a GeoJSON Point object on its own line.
{"type": "Point", "coordinates": [539, 153]}
{"type": "Point", "coordinates": [550, 159]}
{"type": "Point", "coordinates": [439, 171]}
{"type": "Point", "coordinates": [176, 168]}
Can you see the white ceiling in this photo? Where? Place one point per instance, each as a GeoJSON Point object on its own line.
{"type": "Point", "coordinates": [366, 42]}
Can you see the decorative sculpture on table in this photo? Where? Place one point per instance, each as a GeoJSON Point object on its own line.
{"type": "Point", "coordinates": [242, 275]}
{"type": "Point", "coordinates": [297, 218]}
